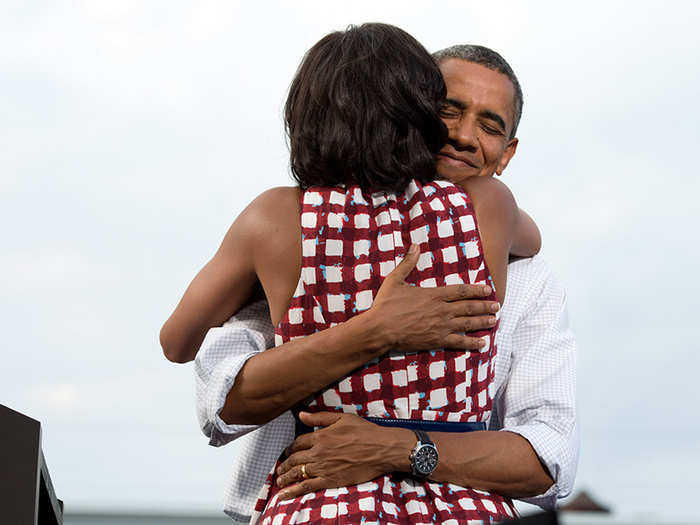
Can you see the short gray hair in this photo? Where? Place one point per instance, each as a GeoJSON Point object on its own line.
{"type": "Point", "coordinates": [488, 58]}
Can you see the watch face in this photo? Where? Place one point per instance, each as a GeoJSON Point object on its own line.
{"type": "Point", "coordinates": [426, 460]}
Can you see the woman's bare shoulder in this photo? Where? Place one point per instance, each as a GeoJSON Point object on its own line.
{"type": "Point", "coordinates": [283, 194]}
{"type": "Point", "coordinates": [271, 211]}
{"type": "Point", "coordinates": [279, 200]}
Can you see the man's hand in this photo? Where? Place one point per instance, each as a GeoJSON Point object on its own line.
{"type": "Point", "coordinates": [413, 318]}
{"type": "Point", "coordinates": [348, 450]}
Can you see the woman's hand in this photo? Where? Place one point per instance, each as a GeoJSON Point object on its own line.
{"type": "Point", "coordinates": [348, 450]}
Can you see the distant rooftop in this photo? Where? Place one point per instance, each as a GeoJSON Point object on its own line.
{"type": "Point", "coordinates": [584, 502]}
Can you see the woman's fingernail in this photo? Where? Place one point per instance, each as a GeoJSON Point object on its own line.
{"type": "Point", "coordinates": [495, 307]}
{"type": "Point", "coordinates": [487, 290]}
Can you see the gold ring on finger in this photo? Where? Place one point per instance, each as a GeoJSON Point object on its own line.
{"type": "Point", "coordinates": [303, 472]}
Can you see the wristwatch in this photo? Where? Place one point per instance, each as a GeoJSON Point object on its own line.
{"type": "Point", "coordinates": [424, 457]}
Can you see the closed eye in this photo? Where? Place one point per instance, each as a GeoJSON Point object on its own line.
{"type": "Point", "coordinates": [451, 109]}
{"type": "Point", "coordinates": [449, 113]}
{"type": "Point", "coordinates": [491, 130]}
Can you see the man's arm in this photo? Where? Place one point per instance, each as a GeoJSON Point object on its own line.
{"type": "Point", "coordinates": [223, 353]}
{"type": "Point", "coordinates": [234, 391]}
{"type": "Point", "coordinates": [401, 316]}
{"type": "Point", "coordinates": [350, 450]}
{"type": "Point", "coordinates": [538, 399]}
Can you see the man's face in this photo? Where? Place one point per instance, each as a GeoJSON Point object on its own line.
{"type": "Point", "coordinates": [479, 118]}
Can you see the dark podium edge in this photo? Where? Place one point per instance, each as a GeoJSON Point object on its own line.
{"type": "Point", "coordinates": [27, 495]}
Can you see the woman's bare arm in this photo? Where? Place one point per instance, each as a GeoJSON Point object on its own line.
{"type": "Point", "coordinates": [504, 229]}
{"type": "Point", "coordinates": [527, 240]}
{"type": "Point", "coordinates": [225, 283]}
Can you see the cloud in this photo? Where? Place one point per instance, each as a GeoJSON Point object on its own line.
{"type": "Point", "coordinates": [50, 271]}
{"type": "Point", "coordinates": [59, 398]}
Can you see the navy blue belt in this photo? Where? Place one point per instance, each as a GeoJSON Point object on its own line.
{"type": "Point", "coordinates": [411, 424]}
{"type": "Point", "coordinates": [429, 426]}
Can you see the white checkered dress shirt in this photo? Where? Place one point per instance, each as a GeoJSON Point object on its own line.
{"type": "Point", "coordinates": [535, 386]}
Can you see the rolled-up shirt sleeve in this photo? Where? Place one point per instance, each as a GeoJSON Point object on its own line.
{"type": "Point", "coordinates": [539, 397]}
{"type": "Point", "coordinates": [221, 356]}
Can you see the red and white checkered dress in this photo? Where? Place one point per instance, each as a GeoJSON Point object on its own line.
{"type": "Point", "coordinates": [351, 240]}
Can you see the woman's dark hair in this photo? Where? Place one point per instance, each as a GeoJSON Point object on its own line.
{"type": "Point", "coordinates": [363, 109]}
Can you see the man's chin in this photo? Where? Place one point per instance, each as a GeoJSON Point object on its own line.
{"type": "Point", "coordinates": [453, 174]}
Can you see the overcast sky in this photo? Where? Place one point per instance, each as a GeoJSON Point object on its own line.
{"type": "Point", "coordinates": [133, 133]}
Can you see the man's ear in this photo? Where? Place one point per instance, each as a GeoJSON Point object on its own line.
{"type": "Point", "coordinates": [507, 155]}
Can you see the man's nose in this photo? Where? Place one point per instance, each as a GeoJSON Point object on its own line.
{"type": "Point", "coordinates": [463, 134]}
